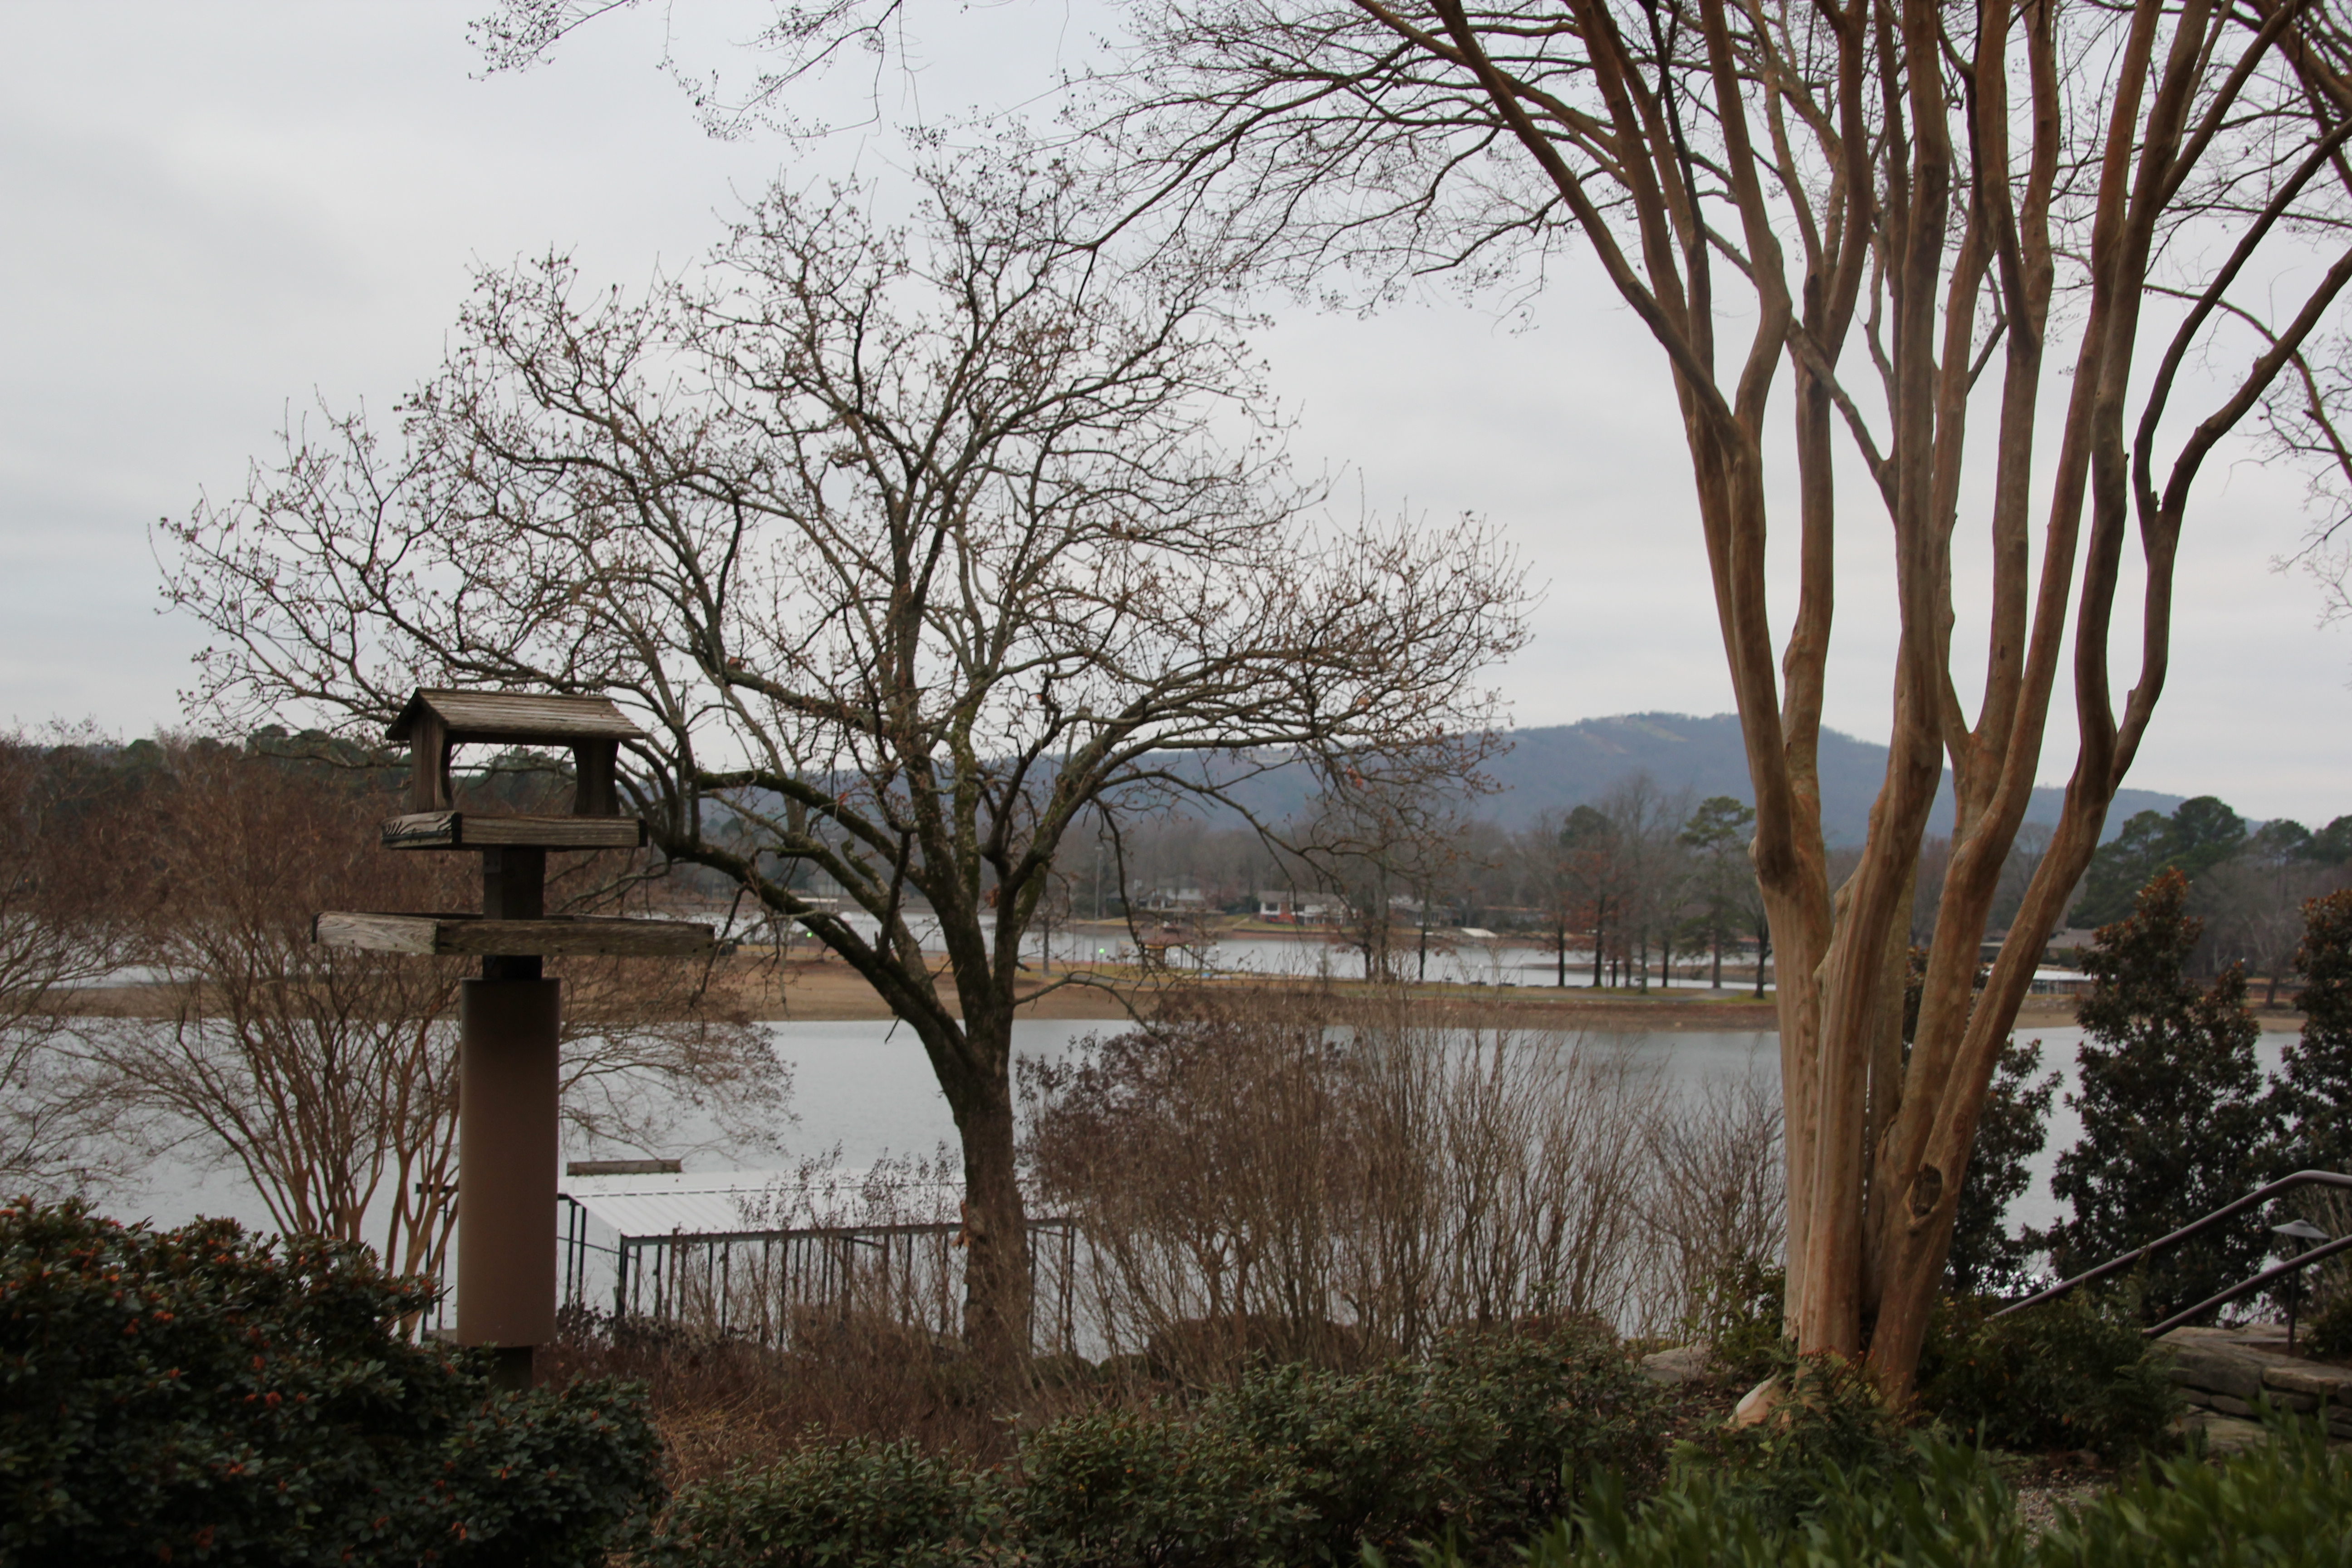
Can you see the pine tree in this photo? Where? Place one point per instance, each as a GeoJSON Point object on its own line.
{"type": "Point", "coordinates": [2176, 1119]}
{"type": "Point", "coordinates": [2316, 1097]}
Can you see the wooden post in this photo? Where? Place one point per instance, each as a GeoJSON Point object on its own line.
{"type": "Point", "coordinates": [428, 763]}
{"type": "Point", "coordinates": [594, 765]}
{"type": "Point", "coordinates": [507, 1079]}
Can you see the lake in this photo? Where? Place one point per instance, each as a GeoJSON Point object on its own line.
{"type": "Point", "coordinates": [865, 1086]}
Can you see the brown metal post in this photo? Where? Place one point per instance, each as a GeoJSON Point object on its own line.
{"type": "Point", "coordinates": [506, 1168]}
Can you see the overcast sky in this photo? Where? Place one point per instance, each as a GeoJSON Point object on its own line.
{"type": "Point", "coordinates": [215, 213]}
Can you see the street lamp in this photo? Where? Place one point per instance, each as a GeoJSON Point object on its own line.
{"type": "Point", "coordinates": [2306, 1233]}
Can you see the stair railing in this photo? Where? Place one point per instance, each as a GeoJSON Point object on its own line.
{"type": "Point", "coordinates": [2195, 1227]}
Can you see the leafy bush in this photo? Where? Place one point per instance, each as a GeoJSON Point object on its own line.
{"type": "Point", "coordinates": [2287, 1504]}
{"type": "Point", "coordinates": [2283, 1504]}
{"type": "Point", "coordinates": [2330, 1333]}
{"type": "Point", "coordinates": [198, 1394]}
{"type": "Point", "coordinates": [1943, 1506]}
{"type": "Point", "coordinates": [842, 1504]}
{"type": "Point", "coordinates": [1830, 1422]}
{"type": "Point", "coordinates": [1739, 1318]}
{"type": "Point", "coordinates": [1487, 1437]}
{"type": "Point", "coordinates": [2070, 1374]}
{"type": "Point", "coordinates": [1117, 1488]}
{"type": "Point", "coordinates": [1292, 1465]}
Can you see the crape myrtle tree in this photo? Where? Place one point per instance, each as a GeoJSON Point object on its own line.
{"type": "Point", "coordinates": [909, 548]}
{"type": "Point", "coordinates": [2093, 237]}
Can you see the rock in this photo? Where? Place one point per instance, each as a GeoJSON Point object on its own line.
{"type": "Point", "coordinates": [2313, 1379]}
{"type": "Point", "coordinates": [2224, 1433]}
{"type": "Point", "coordinates": [2239, 1407]}
{"type": "Point", "coordinates": [1062, 1371]}
{"type": "Point", "coordinates": [2215, 1366]}
{"type": "Point", "coordinates": [1683, 1363]}
{"type": "Point", "coordinates": [1756, 1404]}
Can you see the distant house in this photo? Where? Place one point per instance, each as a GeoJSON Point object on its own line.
{"type": "Point", "coordinates": [2051, 981]}
{"type": "Point", "coordinates": [1287, 906]}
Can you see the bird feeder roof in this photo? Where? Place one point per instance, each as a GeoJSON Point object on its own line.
{"type": "Point", "coordinates": [515, 716]}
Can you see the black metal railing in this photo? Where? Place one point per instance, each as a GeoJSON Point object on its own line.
{"type": "Point", "coordinates": [2196, 1228]}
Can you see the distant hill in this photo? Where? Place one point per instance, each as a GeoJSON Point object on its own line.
{"type": "Point", "coordinates": [1555, 767]}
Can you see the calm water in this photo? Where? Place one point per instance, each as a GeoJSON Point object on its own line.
{"type": "Point", "coordinates": [1454, 959]}
{"type": "Point", "coordinates": [866, 1086]}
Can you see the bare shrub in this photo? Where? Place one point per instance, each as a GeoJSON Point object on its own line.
{"type": "Point", "coordinates": [1714, 1202]}
{"type": "Point", "coordinates": [1286, 1175]}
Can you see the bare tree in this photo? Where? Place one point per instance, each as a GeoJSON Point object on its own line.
{"type": "Point", "coordinates": [1375, 843]}
{"type": "Point", "coordinates": [1552, 887]}
{"type": "Point", "coordinates": [1248, 1182]}
{"type": "Point", "coordinates": [1651, 863]}
{"type": "Point", "coordinates": [68, 922]}
{"type": "Point", "coordinates": [908, 550]}
{"type": "Point", "coordinates": [1715, 832]}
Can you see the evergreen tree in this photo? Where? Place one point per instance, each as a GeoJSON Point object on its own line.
{"type": "Point", "coordinates": [2199, 835]}
{"type": "Point", "coordinates": [2176, 1121]}
{"type": "Point", "coordinates": [2316, 1097]}
{"type": "Point", "coordinates": [1986, 1258]}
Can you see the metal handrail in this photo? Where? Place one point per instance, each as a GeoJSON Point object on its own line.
{"type": "Point", "coordinates": [2254, 1199]}
{"type": "Point", "coordinates": [2277, 1271]}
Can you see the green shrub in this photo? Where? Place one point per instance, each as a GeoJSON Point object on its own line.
{"type": "Point", "coordinates": [2070, 1374]}
{"type": "Point", "coordinates": [1291, 1466]}
{"type": "Point", "coordinates": [1740, 1318]}
{"type": "Point", "coordinates": [196, 1394]}
{"type": "Point", "coordinates": [838, 1506]}
{"type": "Point", "coordinates": [1943, 1506]}
{"type": "Point", "coordinates": [1830, 1422]}
{"type": "Point", "coordinates": [1483, 1441]}
{"type": "Point", "coordinates": [2284, 1505]}
{"type": "Point", "coordinates": [1126, 1489]}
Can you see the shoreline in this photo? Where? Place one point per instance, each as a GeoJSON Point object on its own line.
{"type": "Point", "coordinates": [814, 990]}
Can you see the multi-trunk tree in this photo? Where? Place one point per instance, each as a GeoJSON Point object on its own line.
{"type": "Point", "coordinates": [912, 551]}
{"type": "Point", "coordinates": [2005, 263]}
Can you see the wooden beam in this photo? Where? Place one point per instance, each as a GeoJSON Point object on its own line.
{"type": "Point", "coordinates": [550, 936]}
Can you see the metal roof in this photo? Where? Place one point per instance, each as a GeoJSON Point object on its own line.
{"type": "Point", "coordinates": [731, 1203]}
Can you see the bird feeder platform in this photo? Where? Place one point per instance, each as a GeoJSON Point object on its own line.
{"type": "Point", "coordinates": [480, 831]}
{"type": "Point", "coordinates": [550, 936]}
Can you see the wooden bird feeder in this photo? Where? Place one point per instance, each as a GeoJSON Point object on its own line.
{"type": "Point", "coordinates": [513, 922]}
{"type": "Point", "coordinates": [509, 1020]}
